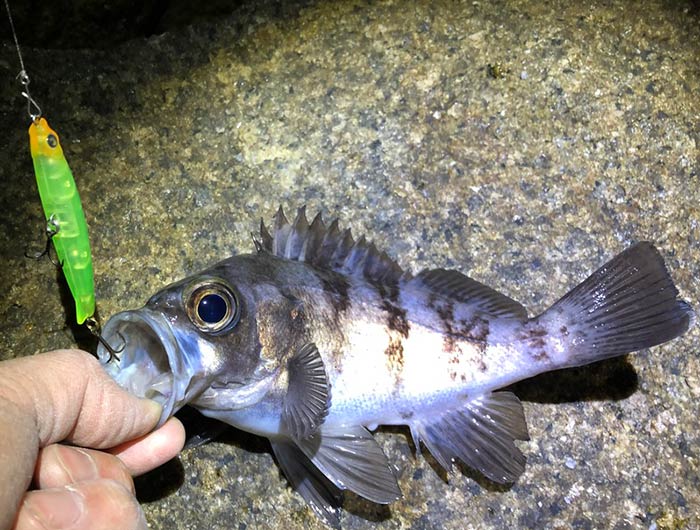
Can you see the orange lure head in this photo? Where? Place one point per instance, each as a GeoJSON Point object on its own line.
{"type": "Point", "coordinates": [43, 140]}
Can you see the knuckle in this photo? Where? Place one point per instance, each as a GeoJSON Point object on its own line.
{"type": "Point", "coordinates": [78, 357]}
{"type": "Point", "coordinates": [86, 464]}
{"type": "Point", "coordinates": [114, 506]}
{"type": "Point", "coordinates": [122, 475]}
{"type": "Point", "coordinates": [52, 470]}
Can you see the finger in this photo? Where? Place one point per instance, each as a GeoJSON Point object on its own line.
{"type": "Point", "coordinates": [95, 505]}
{"type": "Point", "coordinates": [72, 398]}
{"type": "Point", "coordinates": [55, 396]}
{"type": "Point", "coordinates": [152, 450]}
{"type": "Point", "coordinates": [60, 465]}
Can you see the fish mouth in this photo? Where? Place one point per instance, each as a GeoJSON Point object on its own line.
{"type": "Point", "coordinates": [149, 362]}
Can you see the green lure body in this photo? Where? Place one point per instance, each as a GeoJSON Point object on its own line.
{"type": "Point", "coordinates": [63, 210]}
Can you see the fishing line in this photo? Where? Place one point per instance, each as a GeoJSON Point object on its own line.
{"type": "Point", "coordinates": [23, 76]}
{"type": "Point", "coordinates": [66, 226]}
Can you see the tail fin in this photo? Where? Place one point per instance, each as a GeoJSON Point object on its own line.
{"type": "Point", "coordinates": [630, 303]}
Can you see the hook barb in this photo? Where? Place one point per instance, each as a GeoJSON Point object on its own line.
{"type": "Point", "coordinates": [94, 328]}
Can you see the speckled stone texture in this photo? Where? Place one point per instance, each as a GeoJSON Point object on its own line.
{"type": "Point", "coordinates": [523, 143]}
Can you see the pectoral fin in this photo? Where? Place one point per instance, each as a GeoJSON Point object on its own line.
{"type": "Point", "coordinates": [481, 434]}
{"type": "Point", "coordinates": [351, 459]}
{"type": "Point", "coordinates": [319, 493]}
{"type": "Point", "coordinates": [308, 394]}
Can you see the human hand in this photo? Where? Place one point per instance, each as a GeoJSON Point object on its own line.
{"type": "Point", "coordinates": [65, 396]}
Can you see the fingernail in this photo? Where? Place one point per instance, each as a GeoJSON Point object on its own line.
{"type": "Point", "coordinates": [152, 409]}
{"type": "Point", "coordinates": [78, 464]}
{"type": "Point", "coordinates": [55, 508]}
{"type": "Point", "coordinates": [141, 523]}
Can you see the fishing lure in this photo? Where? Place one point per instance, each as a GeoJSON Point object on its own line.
{"type": "Point", "coordinates": [66, 225]}
{"type": "Point", "coordinates": [65, 218]}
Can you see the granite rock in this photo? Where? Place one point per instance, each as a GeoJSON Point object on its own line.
{"type": "Point", "coordinates": [522, 142]}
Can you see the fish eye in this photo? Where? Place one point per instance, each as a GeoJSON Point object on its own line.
{"type": "Point", "coordinates": [212, 306]}
{"type": "Point", "coordinates": [52, 140]}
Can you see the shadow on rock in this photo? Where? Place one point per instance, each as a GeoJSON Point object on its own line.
{"type": "Point", "coordinates": [364, 509]}
{"type": "Point", "coordinates": [117, 21]}
{"type": "Point", "coordinates": [613, 379]}
{"type": "Point", "coordinates": [200, 430]}
{"type": "Point", "coordinates": [81, 334]}
{"type": "Point", "coordinates": [161, 482]}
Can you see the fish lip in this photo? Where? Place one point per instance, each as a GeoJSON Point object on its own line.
{"type": "Point", "coordinates": [149, 361]}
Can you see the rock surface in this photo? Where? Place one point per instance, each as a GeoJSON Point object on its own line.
{"type": "Point", "coordinates": [521, 142]}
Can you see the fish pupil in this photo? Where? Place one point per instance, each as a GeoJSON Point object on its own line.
{"type": "Point", "coordinates": [51, 140]}
{"type": "Point", "coordinates": [212, 308]}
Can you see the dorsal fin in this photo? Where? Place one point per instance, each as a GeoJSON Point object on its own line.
{"type": "Point", "coordinates": [326, 246]}
{"type": "Point", "coordinates": [461, 288]}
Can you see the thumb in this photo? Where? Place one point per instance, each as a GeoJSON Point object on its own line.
{"type": "Point", "coordinates": [70, 397]}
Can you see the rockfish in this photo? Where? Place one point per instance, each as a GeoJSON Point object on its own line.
{"type": "Point", "coordinates": [316, 338]}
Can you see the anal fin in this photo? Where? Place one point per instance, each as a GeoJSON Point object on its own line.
{"type": "Point", "coordinates": [481, 434]}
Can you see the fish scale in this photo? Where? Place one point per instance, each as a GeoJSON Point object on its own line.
{"type": "Point", "coordinates": [318, 337]}
{"type": "Point", "coordinates": [434, 367]}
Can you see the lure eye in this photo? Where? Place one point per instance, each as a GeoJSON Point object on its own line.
{"type": "Point", "coordinates": [52, 140]}
{"type": "Point", "coordinates": [212, 307]}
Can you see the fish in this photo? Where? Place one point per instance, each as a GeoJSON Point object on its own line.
{"type": "Point", "coordinates": [316, 338]}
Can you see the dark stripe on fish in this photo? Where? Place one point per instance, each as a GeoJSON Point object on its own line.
{"type": "Point", "coordinates": [396, 315]}
{"type": "Point", "coordinates": [394, 355]}
{"type": "Point", "coordinates": [396, 318]}
{"type": "Point", "coordinates": [446, 312]}
{"type": "Point", "coordinates": [474, 330]}
{"type": "Point", "coordinates": [336, 291]}
{"type": "Point", "coordinates": [535, 337]}
{"type": "Point", "coordinates": [337, 287]}
{"type": "Point", "coordinates": [397, 328]}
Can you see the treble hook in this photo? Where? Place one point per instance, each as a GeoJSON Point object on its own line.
{"type": "Point", "coordinates": [52, 229]}
{"type": "Point", "coordinates": [31, 103]}
{"type": "Point", "coordinates": [94, 328]}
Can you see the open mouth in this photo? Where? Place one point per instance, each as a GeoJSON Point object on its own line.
{"type": "Point", "coordinates": [149, 363]}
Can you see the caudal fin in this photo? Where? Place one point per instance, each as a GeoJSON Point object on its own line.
{"type": "Point", "coordinates": [630, 303]}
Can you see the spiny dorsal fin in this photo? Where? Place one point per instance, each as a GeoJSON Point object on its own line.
{"type": "Point", "coordinates": [326, 246]}
{"type": "Point", "coordinates": [461, 288]}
